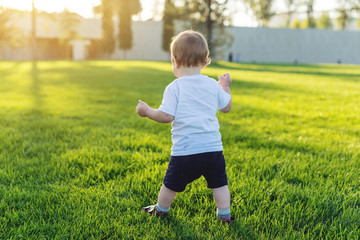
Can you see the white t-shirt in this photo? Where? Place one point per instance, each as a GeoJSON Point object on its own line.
{"type": "Point", "coordinates": [194, 101]}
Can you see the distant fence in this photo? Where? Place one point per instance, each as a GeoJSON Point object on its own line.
{"type": "Point", "coordinates": [294, 45]}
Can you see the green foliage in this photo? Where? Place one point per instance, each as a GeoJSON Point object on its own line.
{"type": "Point", "coordinates": [9, 34]}
{"type": "Point", "coordinates": [76, 162]}
{"type": "Point", "coordinates": [126, 9]}
{"type": "Point", "coordinates": [210, 17]}
{"type": "Point", "coordinates": [5, 36]}
{"type": "Point", "coordinates": [125, 33]}
{"type": "Point", "coordinates": [262, 9]}
{"type": "Point", "coordinates": [356, 5]}
{"type": "Point", "coordinates": [358, 23]}
{"type": "Point", "coordinates": [296, 23]}
{"type": "Point", "coordinates": [170, 14]}
{"type": "Point", "coordinates": [108, 41]}
{"type": "Point", "coordinates": [342, 21]}
{"type": "Point", "coordinates": [291, 6]}
{"type": "Point", "coordinates": [345, 10]}
{"type": "Point", "coordinates": [308, 23]}
{"type": "Point", "coordinates": [68, 23]}
{"type": "Point", "coordinates": [324, 22]}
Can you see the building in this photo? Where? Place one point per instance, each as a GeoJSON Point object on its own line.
{"type": "Point", "coordinates": [50, 37]}
{"type": "Point", "coordinates": [249, 45]}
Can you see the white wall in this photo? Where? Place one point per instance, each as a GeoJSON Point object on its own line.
{"type": "Point", "coordinates": [147, 42]}
{"type": "Point", "coordinates": [259, 45]}
{"type": "Point", "coordinates": [290, 45]}
{"type": "Point", "coordinates": [251, 44]}
{"type": "Point", "coordinates": [79, 49]}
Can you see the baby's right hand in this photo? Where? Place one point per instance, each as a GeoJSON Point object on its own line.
{"type": "Point", "coordinates": [142, 108]}
{"type": "Point", "coordinates": [225, 80]}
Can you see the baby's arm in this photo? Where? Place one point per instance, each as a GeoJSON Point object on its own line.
{"type": "Point", "coordinates": [145, 111]}
{"type": "Point", "coordinates": [225, 82]}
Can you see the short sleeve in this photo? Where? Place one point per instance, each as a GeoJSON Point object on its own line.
{"type": "Point", "coordinates": [223, 97]}
{"type": "Point", "coordinates": [170, 100]}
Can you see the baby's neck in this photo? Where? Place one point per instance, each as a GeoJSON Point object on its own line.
{"type": "Point", "coordinates": [188, 71]}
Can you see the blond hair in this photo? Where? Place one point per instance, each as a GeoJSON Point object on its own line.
{"type": "Point", "coordinates": [190, 49]}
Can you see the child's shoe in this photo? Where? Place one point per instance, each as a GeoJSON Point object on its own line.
{"type": "Point", "coordinates": [153, 211]}
{"type": "Point", "coordinates": [228, 221]}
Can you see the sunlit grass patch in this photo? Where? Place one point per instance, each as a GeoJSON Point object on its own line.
{"type": "Point", "coordinates": [77, 162]}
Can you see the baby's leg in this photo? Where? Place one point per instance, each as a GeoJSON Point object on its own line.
{"type": "Point", "coordinates": [222, 197]}
{"type": "Point", "coordinates": [166, 197]}
{"type": "Point", "coordinates": [222, 200]}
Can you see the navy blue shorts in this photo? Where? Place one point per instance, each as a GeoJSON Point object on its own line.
{"type": "Point", "coordinates": [182, 170]}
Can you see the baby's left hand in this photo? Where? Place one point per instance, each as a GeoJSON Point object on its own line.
{"type": "Point", "coordinates": [225, 80]}
{"type": "Point", "coordinates": [142, 108]}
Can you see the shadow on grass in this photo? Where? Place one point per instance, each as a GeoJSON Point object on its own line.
{"type": "Point", "coordinates": [265, 86]}
{"type": "Point", "coordinates": [302, 69]}
{"type": "Point", "coordinates": [100, 80]}
{"type": "Point", "coordinates": [7, 69]}
{"type": "Point", "coordinates": [254, 141]}
{"type": "Point", "coordinates": [36, 88]}
{"type": "Point", "coordinates": [180, 228]}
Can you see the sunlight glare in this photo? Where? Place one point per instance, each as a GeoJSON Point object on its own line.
{"type": "Point", "coordinates": [82, 7]}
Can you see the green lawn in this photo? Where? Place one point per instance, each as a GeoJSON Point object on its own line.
{"type": "Point", "coordinates": [76, 162]}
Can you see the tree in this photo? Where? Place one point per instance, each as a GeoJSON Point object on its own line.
{"type": "Point", "coordinates": [5, 27]}
{"type": "Point", "coordinates": [296, 23]}
{"type": "Point", "coordinates": [9, 35]}
{"type": "Point", "coordinates": [125, 33]}
{"type": "Point", "coordinates": [310, 20]}
{"type": "Point", "coordinates": [108, 41]}
{"type": "Point", "coordinates": [156, 13]}
{"type": "Point", "coordinates": [291, 6]}
{"type": "Point", "coordinates": [170, 14]}
{"type": "Point", "coordinates": [356, 5]}
{"type": "Point", "coordinates": [358, 23]}
{"type": "Point", "coordinates": [126, 9]}
{"type": "Point", "coordinates": [262, 9]}
{"type": "Point", "coordinates": [342, 21]}
{"type": "Point", "coordinates": [324, 22]}
{"type": "Point", "coordinates": [68, 24]}
{"type": "Point", "coordinates": [33, 32]}
{"type": "Point", "coordinates": [345, 7]}
{"type": "Point", "coordinates": [209, 17]}
{"type": "Point", "coordinates": [308, 23]}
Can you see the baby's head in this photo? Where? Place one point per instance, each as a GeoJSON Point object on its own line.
{"type": "Point", "coordinates": [190, 49]}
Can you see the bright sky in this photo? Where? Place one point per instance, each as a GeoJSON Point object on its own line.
{"type": "Point", "coordinates": [85, 7]}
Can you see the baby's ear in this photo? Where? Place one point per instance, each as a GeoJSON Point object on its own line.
{"type": "Point", "coordinates": [207, 62]}
{"type": "Point", "coordinates": [173, 61]}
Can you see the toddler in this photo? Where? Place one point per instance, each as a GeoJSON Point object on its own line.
{"type": "Point", "coordinates": [191, 103]}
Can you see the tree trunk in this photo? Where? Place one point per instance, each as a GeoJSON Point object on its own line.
{"type": "Point", "coordinates": [33, 32]}
{"type": "Point", "coordinates": [209, 27]}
